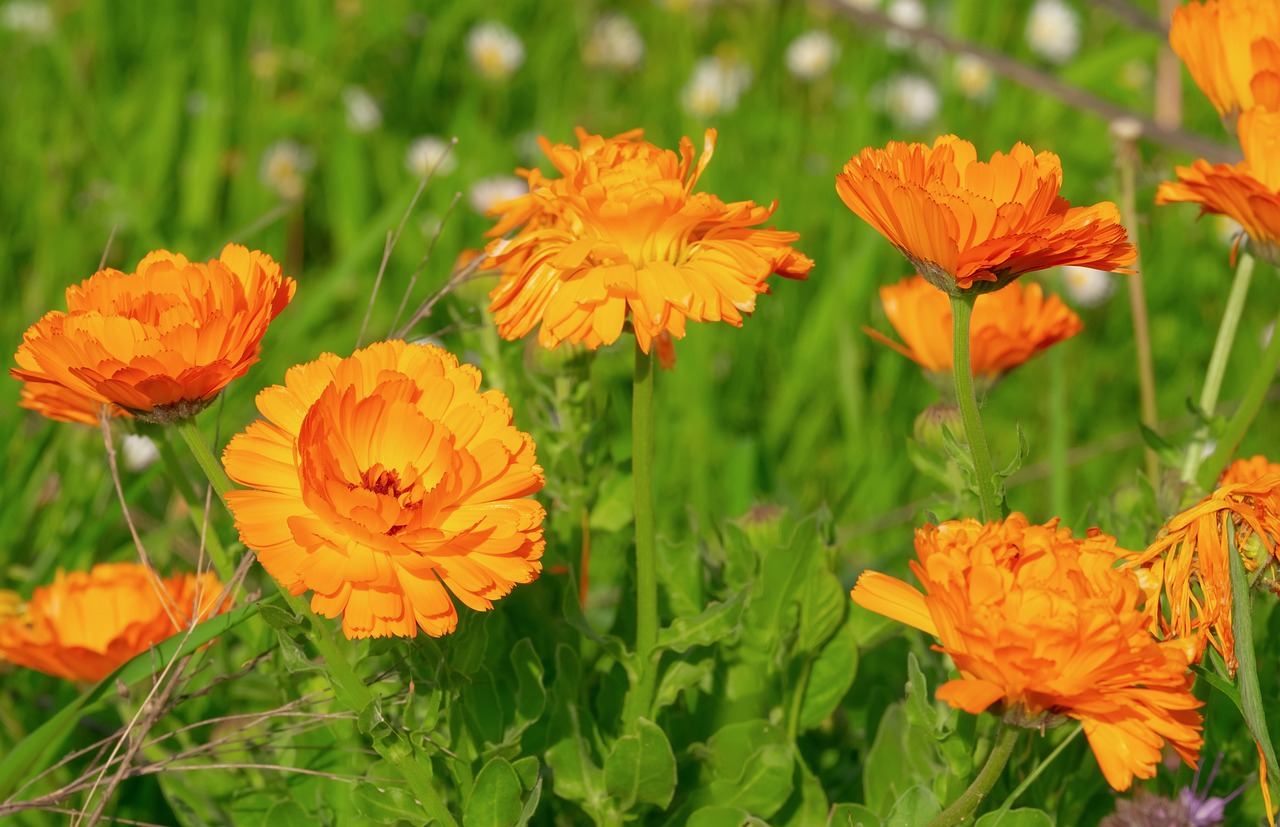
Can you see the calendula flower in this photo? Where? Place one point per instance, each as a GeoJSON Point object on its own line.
{"type": "Point", "coordinates": [1232, 50]}
{"type": "Point", "coordinates": [88, 623]}
{"type": "Point", "coordinates": [1188, 561]}
{"type": "Point", "coordinates": [1008, 327]}
{"type": "Point", "coordinates": [970, 225]}
{"type": "Point", "coordinates": [1042, 626]}
{"type": "Point", "coordinates": [623, 235]}
{"type": "Point", "coordinates": [160, 342]}
{"type": "Point", "coordinates": [1248, 192]}
{"type": "Point", "coordinates": [1248, 470]}
{"type": "Point", "coordinates": [384, 483]}
{"type": "Point", "coordinates": [65, 405]}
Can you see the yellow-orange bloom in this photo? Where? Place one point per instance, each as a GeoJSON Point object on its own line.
{"type": "Point", "coordinates": [385, 481]}
{"type": "Point", "coordinates": [622, 235]}
{"type": "Point", "coordinates": [1044, 625]}
{"type": "Point", "coordinates": [1248, 470]}
{"type": "Point", "coordinates": [1188, 561]}
{"type": "Point", "coordinates": [1008, 326]}
{"type": "Point", "coordinates": [64, 405]}
{"type": "Point", "coordinates": [1232, 49]}
{"type": "Point", "coordinates": [970, 225]}
{"type": "Point", "coordinates": [87, 623]}
{"type": "Point", "coordinates": [1248, 192]}
{"type": "Point", "coordinates": [160, 342]}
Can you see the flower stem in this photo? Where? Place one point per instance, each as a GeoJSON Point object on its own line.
{"type": "Point", "coordinates": [1041, 767]}
{"type": "Point", "coordinates": [967, 400]}
{"type": "Point", "coordinates": [1244, 415]}
{"type": "Point", "coordinates": [646, 564]}
{"type": "Point", "coordinates": [1251, 702]}
{"type": "Point", "coordinates": [349, 688]}
{"type": "Point", "coordinates": [969, 800]}
{"type": "Point", "coordinates": [1218, 362]}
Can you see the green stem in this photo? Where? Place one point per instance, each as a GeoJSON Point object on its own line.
{"type": "Point", "coordinates": [969, 800]}
{"type": "Point", "coordinates": [1128, 160]}
{"type": "Point", "coordinates": [1030, 779]}
{"type": "Point", "coordinates": [349, 688]}
{"type": "Point", "coordinates": [1247, 667]}
{"type": "Point", "coordinates": [1244, 415]}
{"type": "Point", "coordinates": [967, 400]}
{"type": "Point", "coordinates": [1218, 362]}
{"type": "Point", "coordinates": [195, 508]}
{"type": "Point", "coordinates": [646, 563]}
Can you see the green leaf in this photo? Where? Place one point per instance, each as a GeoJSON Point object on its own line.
{"type": "Point", "coordinates": [290, 630]}
{"type": "Point", "coordinates": [750, 764]}
{"type": "Point", "coordinates": [901, 757]}
{"type": "Point", "coordinates": [830, 676]}
{"type": "Point", "coordinates": [384, 805]}
{"type": "Point", "coordinates": [1247, 673]}
{"type": "Point", "coordinates": [1022, 817]}
{"type": "Point", "coordinates": [718, 623]}
{"type": "Point", "coordinates": [641, 768]}
{"type": "Point", "coordinates": [527, 768]}
{"type": "Point", "coordinates": [852, 815]}
{"type": "Point", "coordinates": [914, 809]}
{"type": "Point", "coordinates": [823, 604]}
{"type": "Point", "coordinates": [291, 814]}
{"type": "Point", "coordinates": [679, 676]}
{"type": "Point", "coordinates": [720, 817]}
{"type": "Point", "coordinates": [920, 711]}
{"type": "Point", "coordinates": [530, 805]}
{"type": "Point", "coordinates": [495, 799]}
{"type": "Point", "coordinates": [531, 697]}
{"type": "Point", "coordinates": [615, 505]}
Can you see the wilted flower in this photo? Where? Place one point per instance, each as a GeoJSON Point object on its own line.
{"type": "Point", "coordinates": [716, 86]}
{"type": "Point", "coordinates": [1053, 30]}
{"type": "Point", "coordinates": [363, 112]}
{"type": "Point", "coordinates": [284, 168]}
{"type": "Point", "coordinates": [615, 43]}
{"type": "Point", "coordinates": [812, 54]}
{"type": "Point", "coordinates": [973, 225]}
{"type": "Point", "coordinates": [1043, 626]}
{"type": "Point", "coordinates": [911, 100]}
{"type": "Point", "coordinates": [386, 482]}
{"type": "Point", "coordinates": [488, 193]}
{"type": "Point", "coordinates": [1008, 327]}
{"type": "Point", "coordinates": [161, 342]}
{"type": "Point", "coordinates": [496, 51]}
{"type": "Point", "coordinates": [623, 235]}
{"type": "Point", "coordinates": [430, 155]}
{"type": "Point", "coordinates": [1232, 50]}
{"type": "Point", "coordinates": [1087, 286]}
{"type": "Point", "coordinates": [86, 624]}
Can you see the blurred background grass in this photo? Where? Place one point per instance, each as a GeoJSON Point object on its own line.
{"type": "Point", "coordinates": [157, 120]}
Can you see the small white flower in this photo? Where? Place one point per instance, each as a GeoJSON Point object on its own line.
{"type": "Point", "coordinates": [615, 43]}
{"type": "Point", "coordinates": [363, 112]}
{"type": "Point", "coordinates": [496, 51]}
{"type": "Point", "coordinates": [911, 100]}
{"type": "Point", "coordinates": [487, 193]}
{"type": "Point", "coordinates": [973, 77]}
{"type": "Point", "coordinates": [910, 14]}
{"type": "Point", "coordinates": [1053, 30]}
{"type": "Point", "coordinates": [284, 168]}
{"type": "Point", "coordinates": [430, 155]}
{"type": "Point", "coordinates": [1087, 287]}
{"type": "Point", "coordinates": [140, 452]}
{"type": "Point", "coordinates": [716, 86]}
{"type": "Point", "coordinates": [812, 54]}
{"type": "Point", "coordinates": [27, 17]}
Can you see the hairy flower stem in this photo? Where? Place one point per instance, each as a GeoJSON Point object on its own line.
{"type": "Point", "coordinates": [1218, 362]}
{"type": "Point", "coordinates": [1040, 768]}
{"type": "Point", "coordinates": [967, 399]}
{"type": "Point", "coordinates": [646, 562]}
{"type": "Point", "coordinates": [349, 688]}
{"type": "Point", "coordinates": [969, 800]}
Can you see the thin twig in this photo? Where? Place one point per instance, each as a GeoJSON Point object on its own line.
{"type": "Point", "coordinates": [1134, 17]}
{"type": "Point", "coordinates": [106, 249]}
{"type": "Point", "coordinates": [413, 278]}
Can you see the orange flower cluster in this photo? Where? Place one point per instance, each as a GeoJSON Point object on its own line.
{"type": "Point", "coordinates": [87, 624]}
{"type": "Point", "coordinates": [385, 481]}
{"type": "Point", "coordinates": [1009, 326]}
{"type": "Point", "coordinates": [1188, 562]}
{"type": "Point", "coordinates": [622, 235]}
{"type": "Point", "coordinates": [970, 225]}
{"type": "Point", "coordinates": [161, 342]}
{"type": "Point", "coordinates": [1044, 625]}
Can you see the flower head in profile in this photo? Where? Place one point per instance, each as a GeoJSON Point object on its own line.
{"type": "Point", "coordinates": [64, 405]}
{"type": "Point", "coordinates": [1008, 327]}
{"type": "Point", "coordinates": [1187, 568]}
{"type": "Point", "coordinates": [1247, 192]}
{"type": "Point", "coordinates": [160, 342]}
{"type": "Point", "coordinates": [386, 482]}
{"type": "Point", "coordinates": [87, 623]}
{"type": "Point", "coordinates": [1232, 50]}
{"type": "Point", "coordinates": [1043, 626]}
{"type": "Point", "coordinates": [970, 225]}
{"type": "Point", "coordinates": [622, 235]}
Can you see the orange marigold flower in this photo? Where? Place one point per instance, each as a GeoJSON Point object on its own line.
{"type": "Point", "coordinates": [1188, 561]}
{"type": "Point", "coordinates": [1248, 192]}
{"type": "Point", "coordinates": [160, 342]}
{"type": "Point", "coordinates": [88, 623]}
{"type": "Point", "coordinates": [385, 481]}
{"type": "Point", "coordinates": [623, 235]}
{"type": "Point", "coordinates": [1044, 625]}
{"type": "Point", "coordinates": [1232, 49]}
{"type": "Point", "coordinates": [1248, 470]}
{"type": "Point", "coordinates": [975, 225]}
{"type": "Point", "coordinates": [1008, 326]}
{"type": "Point", "coordinates": [65, 405]}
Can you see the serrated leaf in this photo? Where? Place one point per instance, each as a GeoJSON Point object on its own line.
{"type": "Point", "coordinates": [495, 799]}
{"type": "Point", "coordinates": [385, 805]}
{"type": "Point", "coordinates": [641, 768]}
{"type": "Point", "coordinates": [915, 808]}
{"type": "Point", "coordinates": [718, 622]}
{"type": "Point", "coordinates": [1022, 817]}
{"type": "Point", "coordinates": [830, 676]}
